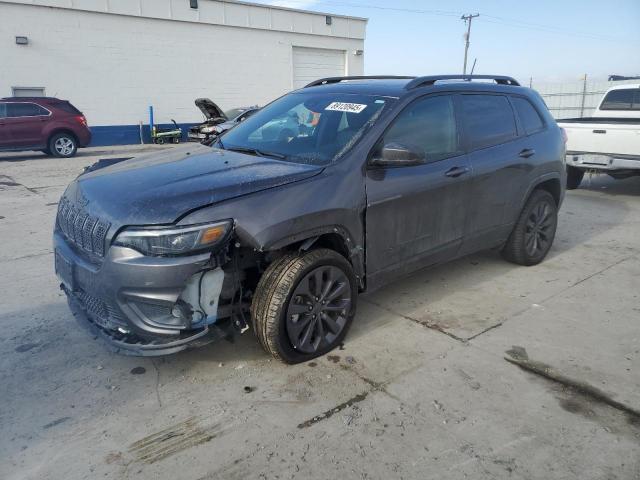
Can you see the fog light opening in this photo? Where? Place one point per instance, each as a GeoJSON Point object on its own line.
{"type": "Point", "coordinates": [182, 310]}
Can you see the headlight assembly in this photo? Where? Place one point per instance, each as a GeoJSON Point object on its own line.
{"type": "Point", "coordinates": [173, 241]}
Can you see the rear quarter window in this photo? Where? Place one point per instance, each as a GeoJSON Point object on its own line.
{"type": "Point", "coordinates": [66, 107]}
{"type": "Point", "coordinates": [529, 116]}
{"type": "Point", "coordinates": [488, 120]}
{"type": "Point", "coordinates": [623, 99]}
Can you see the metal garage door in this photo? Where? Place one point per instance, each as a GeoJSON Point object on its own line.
{"type": "Point", "coordinates": [309, 64]}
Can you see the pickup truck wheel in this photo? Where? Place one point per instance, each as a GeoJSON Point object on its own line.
{"type": "Point", "coordinates": [574, 177]}
{"type": "Point", "coordinates": [63, 145]}
{"type": "Point", "coordinates": [534, 231]}
{"type": "Point", "coordinates": [304, 305]}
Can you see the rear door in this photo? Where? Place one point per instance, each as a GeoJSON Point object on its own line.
{"type": "Point", "coordinates": [416, 214]}
{"type": "Point", "coordinates": [500, 166]}
{"type": "Point", "coordinates": [25, 122]}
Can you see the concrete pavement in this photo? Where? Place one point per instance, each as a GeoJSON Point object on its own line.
{"type": "Point", "coordinates": [420, 390]}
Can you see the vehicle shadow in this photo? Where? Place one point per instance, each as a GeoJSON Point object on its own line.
{"type": "Point", "coordinates": [606, 185]}
{"type": "Point", "coordinates": [477, 292]}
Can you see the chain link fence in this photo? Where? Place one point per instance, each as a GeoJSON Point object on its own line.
{"type": "Point", "coordinates": [574, 99]}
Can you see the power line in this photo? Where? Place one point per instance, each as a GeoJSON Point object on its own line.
{"type": "Point", "coordinates": [510, 22]}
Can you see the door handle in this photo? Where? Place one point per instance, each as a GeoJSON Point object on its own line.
{"type": "Point", "coordinates": [527, 152]}
{"type": "Point", "coordinates": [599, 131]}
{"type": "Point", "coordinates": [455, 172]}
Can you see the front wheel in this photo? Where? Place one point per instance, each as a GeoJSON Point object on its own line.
{"type": "Point", "coordinates": [304, 305]}
{"type": "Point", "coordinates": [533, 233]}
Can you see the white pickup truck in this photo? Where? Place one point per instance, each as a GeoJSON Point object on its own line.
{"type": "Point", "coordinates": [609, 141]}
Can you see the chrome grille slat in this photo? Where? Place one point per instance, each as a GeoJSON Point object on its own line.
{"type": "Point", "coordinates": [87, 232]}
{"type": "Point", "coordinates": [78, 224]}
{"type": "Point", "coordinates": [81, 229]}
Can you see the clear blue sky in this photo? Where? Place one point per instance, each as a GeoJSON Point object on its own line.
{"type": "Point", "coordinates": [549, 40]}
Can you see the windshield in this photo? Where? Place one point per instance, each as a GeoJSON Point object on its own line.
{"type": "Point", "coordinates": [234, 112]}
{"type": "Point", "coordinates": [312, 128]}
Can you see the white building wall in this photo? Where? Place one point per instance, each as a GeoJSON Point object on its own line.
{"type": "Point", "coordinates": [112, 60]}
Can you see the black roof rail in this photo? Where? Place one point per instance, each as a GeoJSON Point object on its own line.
{"type": "Point", "coordinates": [430, 80]}
{"type": "Point", "coordinates": [328, 80]}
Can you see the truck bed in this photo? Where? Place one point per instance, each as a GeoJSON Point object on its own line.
{"type": "Point", "coordinates": [602, 135]}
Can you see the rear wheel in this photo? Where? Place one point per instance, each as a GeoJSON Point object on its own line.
{"type": "Point", "coordinates": [63, 145]}
{"type": "Point", "coordinates": [574, 177]}
{"type": "Point", "coordinates": [304, 305]}
{"type": "Point", "coordinates": [533, 234]}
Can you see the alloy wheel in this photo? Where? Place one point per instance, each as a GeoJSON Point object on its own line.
{"type": "Point", "coordinates": [64, 146]}
{"type": "Point", "coordinates": [538, 229]}
{"type": "Point", "coordinates": [318, 309]}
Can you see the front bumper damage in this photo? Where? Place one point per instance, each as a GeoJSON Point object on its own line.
{"type": "Point", "coordinates": [146, 306]}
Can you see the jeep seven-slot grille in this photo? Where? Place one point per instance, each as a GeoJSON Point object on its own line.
{"type": "Point", "coordinates": [86, 232]}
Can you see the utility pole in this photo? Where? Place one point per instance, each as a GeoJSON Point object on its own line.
{"type": "Point", "coordinates": [467, 19]}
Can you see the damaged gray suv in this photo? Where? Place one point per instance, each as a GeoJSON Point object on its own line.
{"type": "Point", "coordinates": [280, 224]}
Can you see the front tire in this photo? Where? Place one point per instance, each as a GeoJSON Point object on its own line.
{"type": "Point", "coordinates": [304, 305]}
{"type": "Point", "coordinates": [63, 145]}
{"type": "Point", "coordinates": [574, 177]}
{"type": "Point", "coordinates": [533, 233]}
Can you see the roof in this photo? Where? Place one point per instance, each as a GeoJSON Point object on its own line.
{"type": "Point", "coordinates": [625, 86]}
{"type": "Point", "coordinates": [397, 86]}
{"type": "Point", "coordinates": [32, 99]}
{"type": "Point", "coordinates": [228, 13]}
{"type": "Point", "coordinates": [290, 9]}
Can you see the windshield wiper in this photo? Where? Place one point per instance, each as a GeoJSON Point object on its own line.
{"type": "Point", "coordinates": [255, 151]}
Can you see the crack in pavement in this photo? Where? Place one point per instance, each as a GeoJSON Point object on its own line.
{"type": "Point", "coordinates": [32, 255]}
{"type": "Point", "coordinates": [518, 356]}
{"type": "Point", "coordinates": [429, 325]}
{"type": "Point", "coordinates": [438, 328]}
{"type": "Point", "coordinates": [10, 182]}
{"type": "Point", "coordinates": [157, 387]}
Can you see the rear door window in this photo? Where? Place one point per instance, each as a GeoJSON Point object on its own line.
{"type": "Point", "coordinates": [66, 107]}
{"type": "Point", "coordinates": [529, 116]}
{"type": "Point", "coordinates": [620, 100]}
{"type": "Point", "coordinates": [488, 120]}
{"type": "Point", "coordinates": [25, 110]}
{"type": "Point", "coordinates": [429, 124]}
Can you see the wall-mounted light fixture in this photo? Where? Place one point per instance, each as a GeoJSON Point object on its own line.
{"type": "Point", "coordinates": [328, 19]}
{"type": "Point", "coordinates": [358, 52]}
{"type": "Point", "coordinates": [22, 40]}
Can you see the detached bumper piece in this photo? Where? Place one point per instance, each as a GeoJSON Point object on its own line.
{"type": "Point", "coordinates": [95, 316]}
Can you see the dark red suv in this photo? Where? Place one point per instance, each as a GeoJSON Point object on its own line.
{"type": "Point", "coordinates": [48, 124]}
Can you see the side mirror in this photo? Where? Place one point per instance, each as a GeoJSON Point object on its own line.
{"type": "Point", "coordinates": [399, 155]}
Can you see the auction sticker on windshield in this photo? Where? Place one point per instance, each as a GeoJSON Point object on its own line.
{"type": "Point", "coordinates": [346, 107]}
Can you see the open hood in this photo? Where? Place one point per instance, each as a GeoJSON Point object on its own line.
{"type": "Point", "coordinates": [210, 109]}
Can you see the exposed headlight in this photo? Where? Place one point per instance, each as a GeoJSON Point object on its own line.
{"type": "Point", "coordinates": [173, 241]}
{"type": "Point", "coordinates": [208, 129]}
